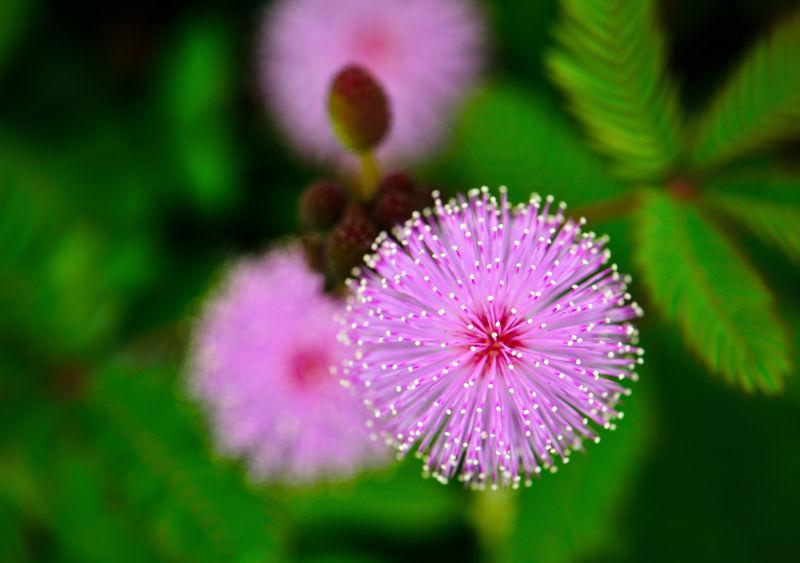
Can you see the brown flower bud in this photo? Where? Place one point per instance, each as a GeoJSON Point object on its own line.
{"type": "Point", "coordinates": [358, 109]}
{"type": "Point", "coordinates": [314, 251]}
{"type": "Point", "coordinates": [349, 241]}
{"type": "Point", "coordinates": [321, 205]}
{"type": "Point", "coordinates": [398, 196]}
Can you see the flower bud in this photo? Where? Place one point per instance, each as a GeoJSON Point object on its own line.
{"type": "Point", "coordinates": [321, 205]}
{"type": "Point", "coordinates": [358, 109]}
{"type": "Point", "coordinates": [349, 241]}
{"type": "Point", "coordinates": [396, 199]}
{"type": "Point", "coordinates": [314, 251]}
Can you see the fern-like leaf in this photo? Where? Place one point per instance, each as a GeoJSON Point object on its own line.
{"type": "Point", "coordinates": [723, 309]}
{"type": "Point", "coordinates": [193, 507]}
{"type": "Point", "coordinates": [769, 207]}
{"type": "Point", "coordinates": [611, 65]}
{"type": "Point", "coordinates": [759, 105]}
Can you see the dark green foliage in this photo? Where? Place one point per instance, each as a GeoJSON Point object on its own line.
{"type": "Point", "coordinates": [15, 17]}
{"type": "Point", "coordinates": [51, 264]}
{"type": "Point", "coordinates": [507, 136]}
{"type": "Point", "coordinates": [611, 65]}
{"type": "Point", "coordinates": [191, 505]}
{"type": "Point", "coordinates": [759, 105]}
{"type": "Point", "coordinates": [89, 522]}
{"type": "Point", "coordinates": [198, 95]}
{"type": "Point", "coordinates": [394, 497]}
{"type": "Point", "coordinates": [766, 204]}
{"type": "Point", "coordinates": [550, 530]}
{"type": "Point", "coordinates": [12, 546]}
{"type": "Point", "coordinates": [697, 278]}
{"type": "Point", "coordinates": [698, 496]}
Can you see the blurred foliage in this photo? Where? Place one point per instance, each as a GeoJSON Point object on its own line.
{"type": "Point", "coordinates": [759, 105]}
{"type": "Point", "coordinates": [198, 87]}
{"type": "Point", "coordinates": [766, 203]}
{"type": "Point", "coordinates": [190, 506]}
{"type": "Point", "coordinates": [52, 293]}
{"type": "Point", "coordinates": [533, 148]}
{"type": "Point", "coordinates": [135, 158]}
{"type": "Point", "coordinates": [15, 16]}
{"type": "Point", "coordinates": [598, 481]}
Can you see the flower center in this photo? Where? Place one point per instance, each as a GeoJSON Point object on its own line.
{"type": "Point", "coordinates": [309, 368]}
{"type": "Point", "coordinates": [495, 339]}
{"type": "Point", "coordinates": [371, 42]}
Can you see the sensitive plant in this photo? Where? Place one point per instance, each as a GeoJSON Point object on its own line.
{"type": "Point", "coordinates": [492, 339]}
{"type": "Point", "coordinates": [644, 145]}
{"type": "Point", "coordinates": [499, 449]}
{"type": "Point", "coordinates": [262, 358]}
{"type": "Point", "coordinates": [112, 447]}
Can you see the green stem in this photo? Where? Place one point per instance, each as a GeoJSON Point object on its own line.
{"type": "Point", "coordinates": [493, 515]}
{"type": "Point", "coordinates": [370, 175]}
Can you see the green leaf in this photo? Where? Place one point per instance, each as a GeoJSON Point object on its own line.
{"type": "Point", "coordinates": [199, 85]}
{"type": "Point", "coordinates": [610, 62]}
{"type": "Point", "coordinates": [89, 525]}
{"type": "Point", "coordinates": [396, 499]}
{"type": "Point", "coordinates": [12, 543]}
{"type": "Point", "coordinates": [697, 278]}
{"type": "Point", "coordinates": [768, 206]}
{"type": "Point", "coordinates": [52, 295]}
{"type": "Point", "coordinates": [193, 507]}
{"type": "Point", "coordinates": [575, 513]}
{"type": "Point", "coordinates": [507, 136]}
{"type": "Point", "coordinates": [15, 17]}
{"type": "Point", "coordinates": [759, 105]}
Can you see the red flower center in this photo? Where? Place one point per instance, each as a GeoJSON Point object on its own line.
{"type": "Point", "coordinates": [495, 338]}
{"type": "Point", "coordinates": [371, 41]}
{"type": "Point", "coordinates": [309, 368]}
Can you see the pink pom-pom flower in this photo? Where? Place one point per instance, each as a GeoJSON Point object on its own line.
{"type": "Point", "coordinates": [263, 353]}
{"type": "Point", "coordinates": [424, 53]}
{"type": "Point", "coordinates": [491, 339]}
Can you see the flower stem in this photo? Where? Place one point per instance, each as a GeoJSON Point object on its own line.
{"type": "Point", "coordinates": [370, 175]}
{"type": "Point", "coordinates": [493, 515]}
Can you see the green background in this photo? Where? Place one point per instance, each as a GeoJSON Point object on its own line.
{"type": "Point", "coordinates": [136, 160]}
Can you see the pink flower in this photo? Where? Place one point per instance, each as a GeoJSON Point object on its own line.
{"type": "Point", "coordinates": [491, 340]}
{"type": "Point", "coordinates": [425, 54]}
{"type": "Point", "coordinates": [262, 356]}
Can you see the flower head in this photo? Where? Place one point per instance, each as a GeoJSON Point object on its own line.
{"type": "Point", "coordinates": [262, 358]}
{"type": "Point", "coordinates": [424, 53]}
{"type": "Point", "coordinates": [492, 339]}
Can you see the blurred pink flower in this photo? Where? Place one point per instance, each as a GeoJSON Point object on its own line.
{"type": "Point", "coordinates": [425, 53]}
{"type": "Point", "coordinates": [492, 340]}
{"type": "Point", "coordinates": [263, 353]}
